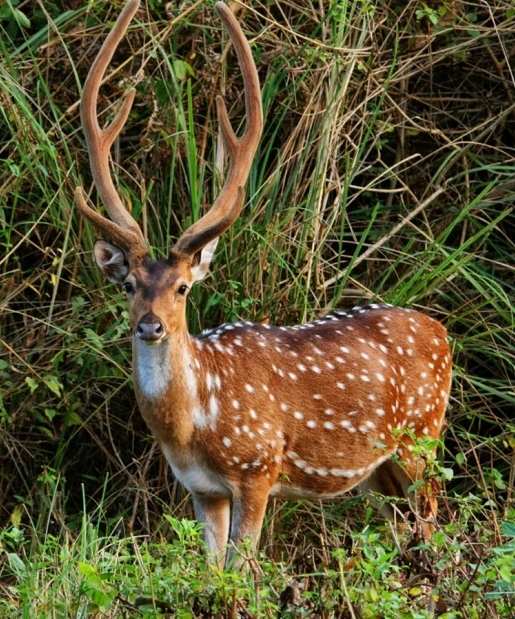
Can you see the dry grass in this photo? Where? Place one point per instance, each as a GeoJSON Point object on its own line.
{"type": "Point", "coordinates": [385, 171]}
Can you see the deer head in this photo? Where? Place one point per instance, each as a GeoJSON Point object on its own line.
{"type": "Point", "coordinates": [157, 289]}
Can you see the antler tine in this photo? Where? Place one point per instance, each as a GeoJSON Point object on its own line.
{"type": "Point", "coordinates": [125, 230]}
{"type": "Point", "coordinates": [228, 205]}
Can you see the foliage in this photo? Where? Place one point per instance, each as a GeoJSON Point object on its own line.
{"type": "Point", "coordinates": [385, 172]}
{"type": "Point", "coordinates": [91, 573]}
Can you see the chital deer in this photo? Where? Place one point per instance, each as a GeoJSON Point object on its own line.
{"type": "Point", "coordinates": [249, 411]}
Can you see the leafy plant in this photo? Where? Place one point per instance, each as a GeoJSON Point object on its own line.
{"type": "Point", "coordinates": [384, 172]}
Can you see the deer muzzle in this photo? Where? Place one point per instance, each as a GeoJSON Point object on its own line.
{"type": "Point", "coordinates": [150, 328]}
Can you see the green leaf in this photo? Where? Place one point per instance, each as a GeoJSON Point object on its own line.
{"type": "Point", "coordinates": [101, 599]}
{"type": "Point", "coordinates": [16, 563]}
{"type": "Point", "coordinates": [447, 473]}
{"type": "Point", "coordinates": [45, 431]}
{"type": "Point", "coordinates": [94, 338]}
{"type": "Point", "coordinates": [53, 384]}
{"type": "Point", "coordinates": [181, 68]}
{"type": "Point", "coordinates": [371, 595]}
{"type": "Point", "coordinates": [13, 168]}
{"type": "Point", "coordinates": [50, 413]}
{"type": "Point", "coordinates": [73, 419]}
{"type": "Point", "coordinates": [508, 529]}
{"type": "Point", "coordinates": [33, 385]}
{"type": "Point", "coordinates": [22, 20]}
{"type": "Point", "coordinates": [90, 573]}
{"type": "Point", "coordinates": [506, 572]}
{"type": "Point", "coordinates": [16, 516]}
{"type": "Point", "coordinates": [500, 484]}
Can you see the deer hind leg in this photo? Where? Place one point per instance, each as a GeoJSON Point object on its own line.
{"type": "Point", "coordinates": [427, 495]}
{"type": "Point", "coordinates": [393, 479]}
{"type": "Point", "coordinates": [388, 480]}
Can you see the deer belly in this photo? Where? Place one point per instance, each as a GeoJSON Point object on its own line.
{"type": "Point", "coordinates": [304, 489]}
{"type": "Point", "coordinates": [301, 481]}
{"type": "Point", "coordinates": [195, 476]}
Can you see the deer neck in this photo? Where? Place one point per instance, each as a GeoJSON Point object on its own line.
{"type": "Point", "coordinates": [166, 387]}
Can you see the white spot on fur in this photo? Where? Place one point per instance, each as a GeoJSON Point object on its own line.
{"type": "Point", "coordinates": [210, 383]}
{"type": "Point", "coordinates": [214, 409]}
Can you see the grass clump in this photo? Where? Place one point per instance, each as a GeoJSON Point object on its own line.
{"type": "Point", "coordinates": [351, 570]}
{"type": "Point", "coordinates": [384, 172]}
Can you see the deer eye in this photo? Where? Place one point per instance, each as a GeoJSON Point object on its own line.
{"type": "Point", "coordinates": [128, 287]}
{"type": "Point", "coordinates": [182, 289]}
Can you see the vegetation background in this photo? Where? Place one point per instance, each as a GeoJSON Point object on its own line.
{"type": "Point", "coordinates": [386, 171]}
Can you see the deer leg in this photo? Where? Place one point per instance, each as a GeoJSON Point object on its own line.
{"type": "Point", "coordinates": [427, 496]}
{"type": "Point", "coordinates": [214, 513]}
{"type": "Point", "coordinates": [248, 512]}
{"type": "Point", "coordinates": [393, 479]}
{"type": "Point", "coordinates": [387, 480]}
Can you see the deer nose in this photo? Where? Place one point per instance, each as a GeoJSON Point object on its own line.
{"type": "Point", "coordinates": [150, 328]}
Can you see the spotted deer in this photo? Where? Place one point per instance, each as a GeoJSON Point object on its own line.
{"type": "Point", "coordinates": [249, 411]}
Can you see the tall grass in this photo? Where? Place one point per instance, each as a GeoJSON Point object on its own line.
{"type": "Point", "coordinates": [384, 172]}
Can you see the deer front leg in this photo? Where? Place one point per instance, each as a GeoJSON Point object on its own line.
{"type": "Point", "coordinates": [248, 512]}
{"type": "Point", "coordinates": [214, 513]}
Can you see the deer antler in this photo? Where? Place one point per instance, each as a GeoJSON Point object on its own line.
{"type": "Point", "coordinates": [228, 205]}
{"type": "Point", "coordinates": [123, 229]}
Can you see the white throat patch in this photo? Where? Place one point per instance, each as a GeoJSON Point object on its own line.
{"type": "Point", "coordinates": [152, 368]}
{"type": "Point", "coordinates": [153, 374]}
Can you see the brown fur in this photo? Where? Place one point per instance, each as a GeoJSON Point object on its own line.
{"type": "Point", "coordinates": [284, 424]}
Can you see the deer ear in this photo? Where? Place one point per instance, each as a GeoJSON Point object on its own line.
{"type": "Point", "coordinates": [202, 260]}
{"type": "Point", "coordinates": [111, 261]}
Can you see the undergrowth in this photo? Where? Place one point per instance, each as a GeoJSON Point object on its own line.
{"type": "Point", "coordinates": [385, 172]}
